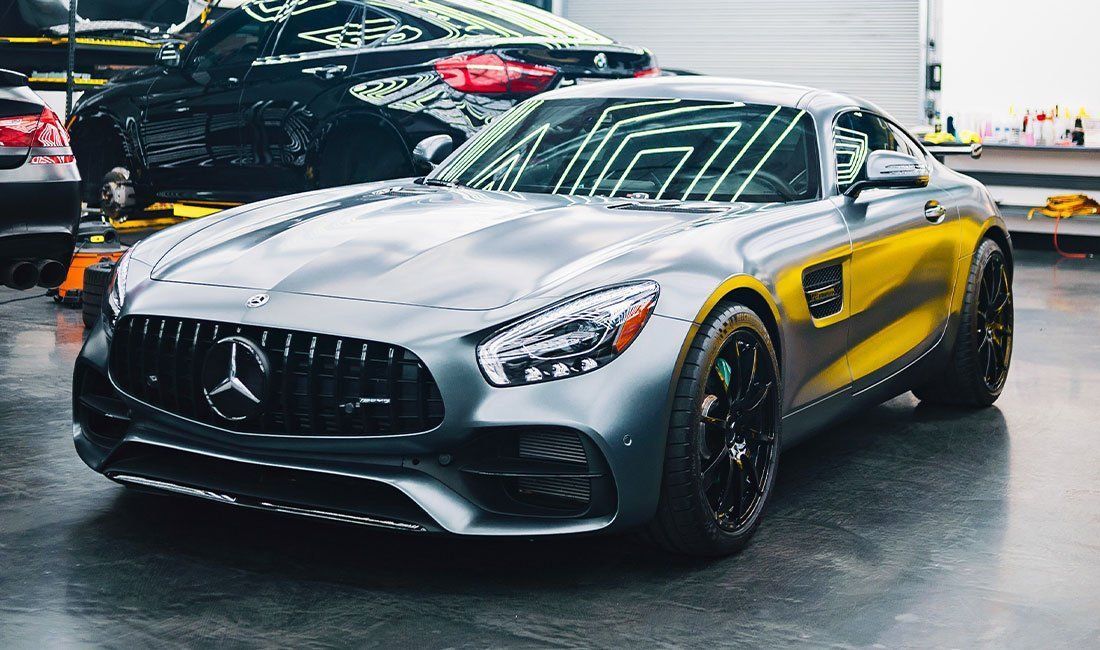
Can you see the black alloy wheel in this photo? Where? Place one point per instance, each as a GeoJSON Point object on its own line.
{"type": "Point", "coordinates": [976, 371]}
{"type": "Point", "coordinates": [737, 441]}
{"type": "Point", "coordinates": [993, 325]}
{"type": "Point", "coordinates": [724, 437]}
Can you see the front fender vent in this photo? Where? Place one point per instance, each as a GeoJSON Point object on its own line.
{"type": "Point", "coordinates": [824, 290]}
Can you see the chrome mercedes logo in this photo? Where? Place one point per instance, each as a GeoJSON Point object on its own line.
{"type": "Point", "coordinates": [258, 300]}
{"type": "Point", "coordinates": [601, 61]}
{"type": "Point", "coordinates": [234, 378]}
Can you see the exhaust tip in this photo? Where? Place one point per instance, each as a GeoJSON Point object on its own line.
{"type": "Point", "coordinates": [51, 274]}
{"type": "Point", "coordinates": [20, 276]}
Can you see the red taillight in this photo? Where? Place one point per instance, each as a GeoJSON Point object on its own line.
{"type": "Point", "coordinates": [52, 160]}
{"type": "Point", "coordinates": [647, 72]}
{"type": "Point", "coordinates": [51, 132]}
{"type": "Point", "coordinates": [44, 130]}
{"type": "Point", "coordinates": [489, 74]}
{"type": "Point", "coordinates": [18, 131]}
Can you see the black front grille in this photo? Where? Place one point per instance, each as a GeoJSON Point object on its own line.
{"type": "Point", "coordinates": [318, 385]}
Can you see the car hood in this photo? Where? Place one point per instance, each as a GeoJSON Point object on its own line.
{"type": "Point", "coordinates": [410, 244]}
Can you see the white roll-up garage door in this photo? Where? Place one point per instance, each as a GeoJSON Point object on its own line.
{"type": "Point", "coordinates": [870, 48]}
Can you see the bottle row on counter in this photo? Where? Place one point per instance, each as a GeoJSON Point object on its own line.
{"type": "Point", "coordinates": [1051, 127]}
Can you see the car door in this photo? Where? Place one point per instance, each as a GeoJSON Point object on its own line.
{"type": "Point", "coordinates": [295, 89]}
{"type": "Point", "coordinates": [904, 254]}
{"type": "Point", "coordinates": [190, 131]}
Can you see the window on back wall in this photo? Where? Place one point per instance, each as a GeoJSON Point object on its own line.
{"type": "Point", "coordinates": [541, 4]}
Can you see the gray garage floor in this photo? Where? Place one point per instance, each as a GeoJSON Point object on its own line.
{"type": "Point", "coordinates": [910, 526]}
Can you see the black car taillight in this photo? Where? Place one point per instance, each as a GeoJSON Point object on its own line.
{"type": "Point", "coordinates": [43, 130]}
{"type": "Point", "coordinates": [490, 74]}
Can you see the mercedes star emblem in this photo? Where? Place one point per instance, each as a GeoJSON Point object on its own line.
{"type": "Point", "coordinates": [234, 378]}
{"type": "Point", "coordinates": [258, 300]}
{"type": "Point", "coordinates": [601, 61]}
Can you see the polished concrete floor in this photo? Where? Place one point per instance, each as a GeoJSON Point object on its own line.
{"type": "Point", "coordinates": [910, 526]}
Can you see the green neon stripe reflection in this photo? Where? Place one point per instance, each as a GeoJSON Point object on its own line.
{"type": "Point", "coordinates": [767, 156]}
{"type": "Point", "coordinates": [654, 152]}
{"type": "Point", "coordinates": [734, 126]}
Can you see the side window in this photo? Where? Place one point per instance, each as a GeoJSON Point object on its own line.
{"type": "Point", "coordinates": [233, 40]}
{"type": "Point", "coordinates": [856, 135]}
{"type": "Point", "coordinates": [317, 27]}
{"type": "Point", "coordinates": [408, 28]}
{"type": "Point", "coordinates": [378, 26]}
{"type": "Point", "coordinates": [906, 143]}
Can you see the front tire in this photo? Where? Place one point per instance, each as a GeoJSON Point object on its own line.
{"type": "Point", "coordinates": [723, 444]}
{"type": "Point", "coordinates": [978, 369]}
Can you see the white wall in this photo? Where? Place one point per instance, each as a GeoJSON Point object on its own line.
{"type": "Point", "coordinates": [1029, 54]}
{"type": "Point", "coordinates": [870, 48]}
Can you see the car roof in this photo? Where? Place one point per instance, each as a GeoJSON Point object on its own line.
{"type": "Point", "coordinates": [750, 91]}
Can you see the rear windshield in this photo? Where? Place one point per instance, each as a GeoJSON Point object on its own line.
{"type": "Point", "coordinates": [644, 149]}
{"type": "Point", "coordinates": [497, 19]}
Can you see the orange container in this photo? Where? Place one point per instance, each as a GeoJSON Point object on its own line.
{"type": "Point", "coordinates": [70, 290]}
{"type": "Point", "coordinates": [94, 244]}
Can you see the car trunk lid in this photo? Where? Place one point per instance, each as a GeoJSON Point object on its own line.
{"type": "Point", "coordinates": [589, 62]}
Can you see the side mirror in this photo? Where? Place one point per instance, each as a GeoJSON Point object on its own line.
{"type": "Point", "coordinates": [432, 151]}
{"type": "Point", "coordinates": [891, 170]}
{"type": "Point", "coordinates": [169, 55]}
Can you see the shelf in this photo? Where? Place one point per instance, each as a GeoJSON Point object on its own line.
{"type": "Point", "coordinates": [1020, 147]}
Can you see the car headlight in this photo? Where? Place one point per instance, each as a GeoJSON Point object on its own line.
{"type": "Point", "coordinates": [569, 339]}
{"type": "Point", "coordinates": [116, 291]}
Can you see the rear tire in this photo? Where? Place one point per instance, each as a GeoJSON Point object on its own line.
{"type": "Point", "coordinates": [723, 445]}
{"type": "Point", "coordinates": [978, 369]}
{"type": "Point", "coordinates": [99, 147]}
{"type": "Point", "coordinates": [357, 160]}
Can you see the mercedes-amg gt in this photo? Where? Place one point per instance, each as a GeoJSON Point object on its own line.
{"type": "Point", "coordinates": [612, 309]}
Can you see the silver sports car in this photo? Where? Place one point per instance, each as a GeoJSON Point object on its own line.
{"type": "Point", "coordinates": [610, 310]}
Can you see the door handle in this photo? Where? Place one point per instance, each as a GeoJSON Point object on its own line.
{"type": "Point", "coordinates": [327, 72]}
{"type": "Point", "coordinates": [934, 212]}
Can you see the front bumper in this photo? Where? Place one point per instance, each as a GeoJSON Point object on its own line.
{"type": "Point", "coordinates": [41, 212]}
{"type": "Point", "coordinates": [426, 481]}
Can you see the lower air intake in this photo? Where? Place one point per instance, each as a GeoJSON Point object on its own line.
{"type": "Point", "coordinates": [555, 446]}
{"type": "Point", "coordinates": [573, 491]}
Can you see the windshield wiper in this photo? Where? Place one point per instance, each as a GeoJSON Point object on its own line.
{"type": "Point", "coordinates": [435, 182]}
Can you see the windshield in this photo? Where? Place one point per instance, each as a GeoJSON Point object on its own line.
{"type": "Point", "coordinates": [644, 149]}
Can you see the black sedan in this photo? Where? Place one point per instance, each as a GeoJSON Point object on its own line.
{"type": "Point", "coordinates": [39, 189]}
{"type": "Point", "coordinates": [282, 96]}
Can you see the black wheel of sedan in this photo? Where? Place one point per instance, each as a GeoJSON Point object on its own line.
{"type": "Point", "coordinates": [978, 368]}
{"type": "Point", "coordinates": [723, 447]}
